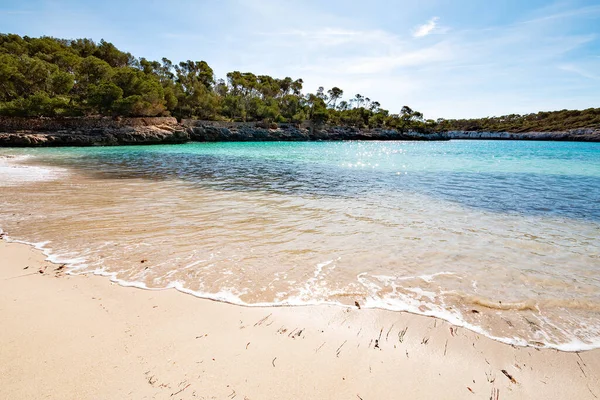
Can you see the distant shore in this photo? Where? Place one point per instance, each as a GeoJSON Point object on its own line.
{"type": "Point", "coordinates": [83, 337]}
{"type": "Point", "coordinates": [103, 131]}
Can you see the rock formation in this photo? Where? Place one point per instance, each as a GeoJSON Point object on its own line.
{"type": "Point", "coordinates": [101, 131]}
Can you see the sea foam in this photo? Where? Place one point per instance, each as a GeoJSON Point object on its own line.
{"type": "Point", "coordinates": [13, 172]}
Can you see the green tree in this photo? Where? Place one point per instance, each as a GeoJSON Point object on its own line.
{"type": "Point", "coordinates": [104, 96]}
{"type": "Point", "coordinates": [335, 94]}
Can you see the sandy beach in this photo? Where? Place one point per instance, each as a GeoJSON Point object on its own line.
{"type": "Point", "coordinates": [83, 337]}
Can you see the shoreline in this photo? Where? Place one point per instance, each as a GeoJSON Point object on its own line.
{"type": "Point", "coordinates": [69, 268]}
{"type": "Point", "coordinates": [74, 267]}
{"type": "Point", "coordinates": [90, 131]}
{"type": "Point", "coordinates": [85, 337]}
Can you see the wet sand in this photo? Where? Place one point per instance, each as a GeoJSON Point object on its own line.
{"type": "Point", "coordinates": [83, 337]}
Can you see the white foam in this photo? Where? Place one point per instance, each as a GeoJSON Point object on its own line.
{"type": "Point", "coordinates": [13, 173]}
{"type": "Point", "coordinates": [403, 303]}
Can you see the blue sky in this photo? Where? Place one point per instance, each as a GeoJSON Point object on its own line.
{"type": "Point", "coordinates": [446, 58]}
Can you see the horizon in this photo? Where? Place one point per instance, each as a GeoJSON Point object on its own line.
{"type": "Point", "coordinates": [435, 58]}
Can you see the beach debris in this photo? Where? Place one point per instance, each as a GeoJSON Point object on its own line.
{"type": "Point", "coordinates": [263, 320]}
{"type": "Point", "coordinates": [27, 267]}
{"type": "Point", "coordinates": [232, 395]}
{"type": "Point", "coordinates": [388, 332]}
{"type": "Point", "coordinates": [376, 344]}
{"type": "Point", "coordinates": [401, 335]}
{"type": "Point", "coordinates": [357, 305]}
{"type": "Point", "coordinates": [143, 261]}
{"type": "Point", "coordinates": [534, 326]}
{"type": "Point", "coordinates": [187, 386]}
{"type": "Point", "coordinates": [445, 347]}
{"type": "Point", "coordinates": [470, 390]}
{"type": "Point", "coordinates": [273, 362]}
{"type": "Point", "coordinates": [593, 394]}
{"type": "Point", "coordinates": [319, 348]}
{"type": "Point", "coordinates": [425, 341]}
{"type": "Point", "coordinates": [475, 311]}
{"type": "Point", "coordinates": [152, 380]}
{"type": "Point", "coordinates": [509, 376]}
{"type": "Point", "coordinates": [339, 349]}
{"type": "Point", "coordinates": [581, 368]}
{"type": "Point", "coordinates": [495, 394]}
{"type": "Point", "coordinates": [247, 344]}
{"type": "Point", "coordinates": [359, 397]}
{"type": "Point", "coordinates": [60, 270]}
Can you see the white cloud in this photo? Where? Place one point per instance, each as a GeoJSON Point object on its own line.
{"type": "Point", "coordinates": [541, 59]}
{"type": "Point", "coordinates": [580, 71]}
{"type": "Point", "coordinates": [411, 58]}
{"type": "Point", "coordinates": [427, 28]}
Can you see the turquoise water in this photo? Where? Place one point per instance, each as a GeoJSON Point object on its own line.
{"type": "Point", "coordinates": [510, 229]}
{"type": "Point", "coordinates": [541, 178]}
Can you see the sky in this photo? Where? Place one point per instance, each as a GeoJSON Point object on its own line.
{"type": "Point", "coordinates": [445, 58]}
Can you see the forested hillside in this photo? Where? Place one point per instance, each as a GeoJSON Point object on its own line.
{"type": "Point", "coordinates": [544, 121]}
{"type": "Point", "coordinates": [58, 77]}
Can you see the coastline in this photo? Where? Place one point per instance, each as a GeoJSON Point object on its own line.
{"type": "Point", "coordinates": [104, 131]}
{"type": "Point", "coordinates": [84, 337]}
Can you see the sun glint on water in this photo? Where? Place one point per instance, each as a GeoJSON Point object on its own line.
{"type": "Point", "coordinates": [501, 237]}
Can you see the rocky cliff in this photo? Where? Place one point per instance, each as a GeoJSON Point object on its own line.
{"type": "Point", "coordinates": [572, 135]}
{"type": "Point", "coordinates": [205, 131]}
{"type": "Point", "coordinates": [31, 132]}
{"type": "Point", "coordinates": [34, 132]}
{"type": "Point", "coordinates": [47, 132]}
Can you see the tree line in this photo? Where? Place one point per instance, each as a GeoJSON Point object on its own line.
{"type": "Point", "coordinates": [58, 77]}
{"type": "Point", "coordinates": [544, 121]}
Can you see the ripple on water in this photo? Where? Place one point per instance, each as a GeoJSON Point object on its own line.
{"type": "Point", "coordinates": [505, 245]}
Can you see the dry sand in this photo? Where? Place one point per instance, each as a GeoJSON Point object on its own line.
{"type": "Point", "coordinates": [83, 337]}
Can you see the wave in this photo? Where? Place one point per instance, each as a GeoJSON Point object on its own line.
{"type": "Point", "coordinates": [14, 172]}
{"type": "Point", "coordinates": [77, 266]}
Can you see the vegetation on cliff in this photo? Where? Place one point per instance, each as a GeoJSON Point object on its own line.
{"type": "Point", "coordinates": [57, 77]}
{"type": "Point", "coordinates": [545, 121]}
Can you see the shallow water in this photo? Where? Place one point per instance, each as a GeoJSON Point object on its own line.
{"type": "Point", "coordinates": [501, 237]}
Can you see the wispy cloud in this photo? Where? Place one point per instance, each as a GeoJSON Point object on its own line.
{"type": "Point", "coordinates": [580, 71]}
{"type": "Point", "coordinates": [588, 11]}
{"type": "Point", "coordinates": [15, 12]}
{"type": "Point", "coordinates": [492, 59]}
{"type": "Point", "coordinates": [427, 28]}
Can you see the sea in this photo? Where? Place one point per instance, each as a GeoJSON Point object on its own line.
{"type": "Point", "coordinates": [500, 237]}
